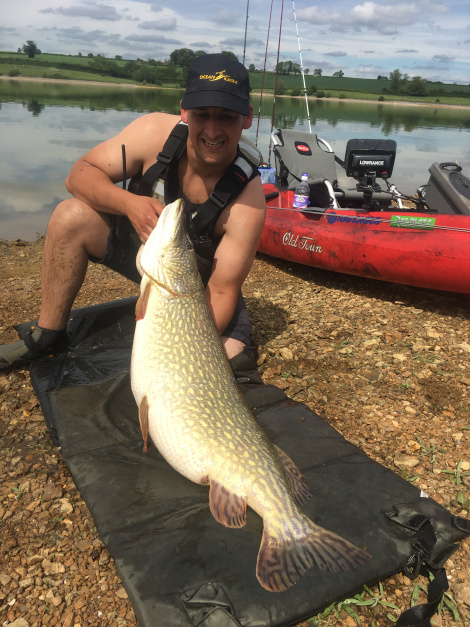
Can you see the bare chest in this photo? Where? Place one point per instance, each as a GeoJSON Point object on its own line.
{"type": "Point", "coordinates": [196, 188]}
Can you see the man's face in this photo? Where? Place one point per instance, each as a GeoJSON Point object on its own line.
{"type": "Point", "coordinates": [214, 132]}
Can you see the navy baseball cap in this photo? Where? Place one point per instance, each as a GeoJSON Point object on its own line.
{"type": "Point", "coordinates": [216, 80]}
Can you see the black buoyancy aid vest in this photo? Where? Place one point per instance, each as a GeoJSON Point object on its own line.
{"type": "Point", "coordinates": [161, 181]}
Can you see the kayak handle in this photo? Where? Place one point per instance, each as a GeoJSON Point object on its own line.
{"type": "Point", "coordinates": [271, 195]}
{"type": "Point", "coordinates": [450, 164]}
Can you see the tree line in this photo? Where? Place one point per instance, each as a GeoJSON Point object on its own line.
{"type": "Point", "coordinates": [174, 71]}
{"type": "Point", "coordinates": [150, 72]}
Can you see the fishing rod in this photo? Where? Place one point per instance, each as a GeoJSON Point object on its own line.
{"type": "Point", "coordinates": [275, 83]}
{"type": "Point", "coordinates": [246, 28]}
{"type": "Point", "coordinates": [302, 68]}
{"type": "Point", "coordinates": [264, 73]}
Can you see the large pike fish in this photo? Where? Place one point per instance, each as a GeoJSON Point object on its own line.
{"type": "Point", "coordinates": [191, 406]}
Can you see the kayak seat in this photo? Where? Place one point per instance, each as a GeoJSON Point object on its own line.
{"type": "Point", "coordinates": [297, 152]}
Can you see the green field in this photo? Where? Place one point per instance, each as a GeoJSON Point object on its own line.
{"type": "Point", "coordinates": [58, 73]}
{"type": "Point", "coordinates": [71, 67]}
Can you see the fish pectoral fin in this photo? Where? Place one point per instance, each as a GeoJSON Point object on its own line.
{"type": "Point", "coordinates": [295, 479]}
{"type": "Point", "coordinates": [144, 422]}
{"type": "Point", "coordinates": [286, 555]}
{"type": "Point", "coordinates": [228, 508]}
{"type": "Point", "coordinates": [141, 305]}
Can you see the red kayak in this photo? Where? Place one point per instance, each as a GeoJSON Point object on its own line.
{"type": "Point", "coordinates": [419, 249]}
{"type": "Point", "coordinates": [360, 228]}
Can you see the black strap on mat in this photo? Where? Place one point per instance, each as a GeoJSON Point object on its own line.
{"type": "Point", "coordinates": [420, 615]}
{"type": "Point", "coordinates": [209, 606]}
{"type": "Point", "coordinates": [430, 551]}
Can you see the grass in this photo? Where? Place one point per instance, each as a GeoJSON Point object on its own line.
{"type": "Point", "coordinates": [457, 473]}
{"type": "Point", "coordinates": [29, 71]}
{"type": "Point", "coordinates": [360, 95]}
{"type": "Point", "coordinates": [365, 599]}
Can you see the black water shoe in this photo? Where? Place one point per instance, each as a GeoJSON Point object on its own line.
{"type": "Point", "coordinates": [36, 343]}
{"type": "Point", "coordinates": [244, 366]}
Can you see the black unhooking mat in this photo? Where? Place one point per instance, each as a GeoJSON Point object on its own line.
{"type": "Point", "coordinates": [178, 565]}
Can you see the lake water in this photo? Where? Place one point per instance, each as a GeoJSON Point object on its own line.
{"type": "Point", "coordinates": [45, 128]}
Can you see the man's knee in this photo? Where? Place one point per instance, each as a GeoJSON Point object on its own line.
{"type": "Point", "coordinates": [74, 220]}
{"type": "Point", "coordinates": [72, 214]}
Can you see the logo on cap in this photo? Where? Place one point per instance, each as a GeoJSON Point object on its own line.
{"type": "Point", "coordinates": [218, 77]}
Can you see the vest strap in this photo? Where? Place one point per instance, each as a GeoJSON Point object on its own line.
{"type": "Point", "coordinates": [202, 219]}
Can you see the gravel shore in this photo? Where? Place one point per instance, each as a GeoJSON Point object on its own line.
{"type": "Point", "coordinates": [386, 365]}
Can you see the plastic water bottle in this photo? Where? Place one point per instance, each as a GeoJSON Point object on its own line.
{"type": "Point", "coordinates": [302, 192]}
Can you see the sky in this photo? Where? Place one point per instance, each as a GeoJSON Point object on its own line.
{"type": "Point", "coordinates": [423, 38]}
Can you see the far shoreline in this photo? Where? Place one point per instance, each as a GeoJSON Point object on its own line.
{"type": "Point", "coordinates": [68, 81]}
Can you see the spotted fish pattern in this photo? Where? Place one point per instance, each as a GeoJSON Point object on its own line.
{"type": "Point", "coordinates": [190, 405]}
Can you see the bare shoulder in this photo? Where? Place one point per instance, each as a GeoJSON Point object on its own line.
{"type": "Point", "coordinates": [241, 230]}
{"type": "Point", "coordinates": [241, 225]}
{"type": "Point", "coordinates": [248, 210]}
{"type": "Point", "coordinates": [150, 130]}
{"type": "Point", "coordinates": [143, 140]}
{"type": "Point", "coordinates": [151, 124]}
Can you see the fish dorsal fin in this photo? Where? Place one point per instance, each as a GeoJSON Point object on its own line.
{"type": "Point", "coordinates": [228, 508]}
{"type": "Point", "coordinates": [295, 479]}
{"type": "Point", "coordinates": [144, 421]}
{"type": "Point", "coordinates": [141, 305]}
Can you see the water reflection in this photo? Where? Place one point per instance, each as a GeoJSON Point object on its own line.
{"type": "Point", "coordinates": [92, 97]}
{"type": "Point", "coordinates": [45, 127]}
{"type": "Point", "coordinates": [35, 107]}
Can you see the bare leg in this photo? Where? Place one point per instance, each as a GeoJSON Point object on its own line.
{"type": "Point", "coordinates": [75, 232]}
{"type": "Point", "coordinates": [232, 346]}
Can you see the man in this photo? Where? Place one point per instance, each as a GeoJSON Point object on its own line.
{"type": "Point", "coordinates": [106, 224]}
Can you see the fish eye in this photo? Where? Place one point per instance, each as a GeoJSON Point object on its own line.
{"type": "Point", "coordinates": [189, 246]}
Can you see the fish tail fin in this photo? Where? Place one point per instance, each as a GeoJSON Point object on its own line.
{"type": "Point", "coordinates": [284, 557]}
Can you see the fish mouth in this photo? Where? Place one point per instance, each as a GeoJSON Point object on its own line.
{"type": "Point", "coordinates": [169, 235]}
{"type": "Point", "coordinates": [170, 226]}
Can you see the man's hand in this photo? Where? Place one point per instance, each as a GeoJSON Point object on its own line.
{"type": "Point", "coordinates": [93, 178]}
{"type": "Point", "coordinates": [143, 213]}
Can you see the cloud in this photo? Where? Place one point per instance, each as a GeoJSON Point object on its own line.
{"type": "Point", "coordinates": [240, 41]}
{"type": "Point", "coordinates": [384, 19]}
{"type": "Point", "coordinates": [158, 39]}
{"type": "Point", "coordinates": [388, 20]}
{"type": "Point", "coordinates": [225, 16]}
{"type": "Point", "coordinates": [165, 24]}
{"type": "Point", "coordinates": [336, 53]}
{"type": "Point", "coordinates": [8, 30]}
{"type": "Point", "coordinates": [317, 16]}
{"type": "Point", "coordinates": [200, 45]}
{"type": "Point", "coordinates": [76, 33]}
{"type": "Point", "coordinates": [428, 67]}
{"type": "Point", "coordinates": [325, 66]}
{"type": "Point", "coordinates": [91, 11]}
{"type": "Point", "coordinates": [406, 51]}
{"type": "Point", "coordinates": [443, 58]}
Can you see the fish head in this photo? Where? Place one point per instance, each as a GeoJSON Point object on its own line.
{"type": "Point", "coordinates": [168, 257]}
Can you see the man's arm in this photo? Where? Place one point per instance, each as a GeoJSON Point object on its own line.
{"type": "Point", "coordinates": [92, 178]}
{"type": "Point", "coordinates": [242, 224]}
